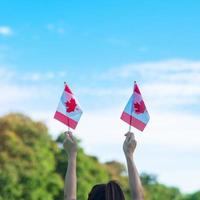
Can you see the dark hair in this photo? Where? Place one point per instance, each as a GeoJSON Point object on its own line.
{"type": "Point", "coordinates": [109, 191]}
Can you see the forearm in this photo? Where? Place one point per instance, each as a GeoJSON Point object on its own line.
{"type": "Point", "coordinates": [134, 180]}
{"type": "Point", "coordinates": [70, 179]}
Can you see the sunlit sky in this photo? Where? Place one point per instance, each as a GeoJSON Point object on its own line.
{"type": "Point", "coordinates": [99, 48]}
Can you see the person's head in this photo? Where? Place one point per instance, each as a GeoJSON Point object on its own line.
{"type": "Point", "coordinates": [109, 191]}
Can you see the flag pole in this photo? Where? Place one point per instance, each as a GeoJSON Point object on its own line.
{"type": "Point", "coordinates": [129, 130]}
{"type": "Point", "coordinates": [67, 117]}
{"type": "Point", "coordinates": [68, 127]}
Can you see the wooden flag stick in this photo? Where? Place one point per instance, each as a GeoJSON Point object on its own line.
{"type": "Point", "coordinates": [131, 109]}
{"type": "Point", "coordinates": [129, 130]}
{"type": "Point", "coordinates": [68, 129]}
{"type": "Point", "coordinates": [67, 118]}
{"type": "Point", "coordinates": [68, 125]}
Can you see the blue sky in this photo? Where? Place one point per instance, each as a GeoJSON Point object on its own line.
{"type": "Point", "coordinates": [100, 48]}
{"type": "Point", "coordinates": [88, 33]}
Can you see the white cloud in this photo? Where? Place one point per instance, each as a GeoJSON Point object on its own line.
{"type": "Point", "coordinates": [14, 93]}
{"type": "Point", "coordinates": [103, 91]}
{"type": "Point", "coordinates": [26, 98]}
{"type": "Point", "coordinates": [165, 96]}
{"type": "Point", "coordinates": [57, 28]}
{"type": "Point", "coordinates": [5, 31]}
{"type": "Point", "coordinates": [166, 70]}
{"type": "Point", "coordinates": [61, 30]}
{"type": "Point", "coordinates": [50, 27]}
{"type": "Point", "coordinates": [6, 73]}
{"type": "Point", "coordinates": [38, 76]}
{"type": "Point", "coordinates": [3, 72]}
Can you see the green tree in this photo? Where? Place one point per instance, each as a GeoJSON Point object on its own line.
{"type": "Point", "coordinates": [194, 196]}
{"type": "Point", "coordinates": [27, 162]}
{"type": "Point", "coordinates": [156, 191]}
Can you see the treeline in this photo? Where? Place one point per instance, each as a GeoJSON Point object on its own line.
{"type": "Point", "coordinates": [33, 166]}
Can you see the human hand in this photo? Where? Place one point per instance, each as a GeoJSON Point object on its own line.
{"type": "Point", "coordinates": [70, 144]}
{"type": "Point", "coordinates": [129, 144]}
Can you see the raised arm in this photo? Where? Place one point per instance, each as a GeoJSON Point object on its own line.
{"type": "Point", "coordinates": [70, 147]}
{"type": "Point", "coordinates": [134, 178]}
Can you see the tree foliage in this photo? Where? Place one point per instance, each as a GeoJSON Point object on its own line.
{"type": "Point", "coordinates": [27, 164]}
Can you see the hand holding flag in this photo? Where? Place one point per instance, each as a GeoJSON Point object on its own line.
{"type": "Point", "coordinates": [68, 111]}
{"type": "Point", "coordinates": [135, 112]}
{"type": "Point", "coordinates": [70, 143]}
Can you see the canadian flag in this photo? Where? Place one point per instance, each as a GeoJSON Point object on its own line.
{"type": "Point", "coordinates": [68, 111]}
{"type": "Point", "coordinates": [135, 112]}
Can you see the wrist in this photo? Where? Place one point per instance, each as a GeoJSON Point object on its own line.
{"type": "Point", "coordinates": [129, 156]}
{"type": "Point", "coordinates": [72, 155]}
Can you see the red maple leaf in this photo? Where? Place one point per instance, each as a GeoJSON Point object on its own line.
{"type": "Point", "coordinates": [139, 107]}
{"type": "Point", "coordinates": [71, 105]}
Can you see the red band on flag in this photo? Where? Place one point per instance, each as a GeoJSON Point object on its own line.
{"type": "Point", "coordinates": [134, 122]}
{"type": "Point", "coordinates": [65, 120]}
